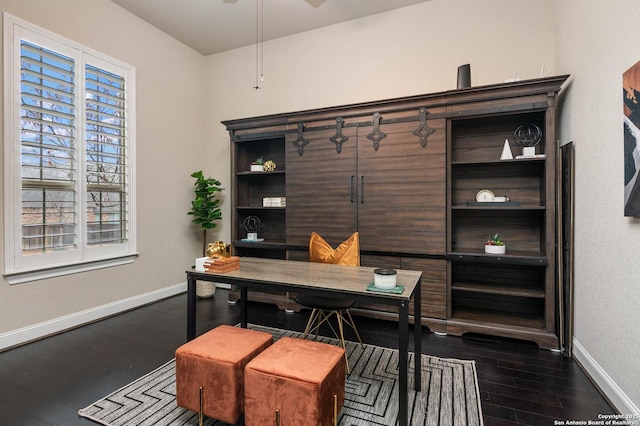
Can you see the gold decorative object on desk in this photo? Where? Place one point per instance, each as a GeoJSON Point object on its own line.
{"type": "Point", "coordinates": [218, 250]}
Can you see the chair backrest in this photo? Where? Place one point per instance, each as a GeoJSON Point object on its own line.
{"type": "Point", "coordinates": [347, 253]}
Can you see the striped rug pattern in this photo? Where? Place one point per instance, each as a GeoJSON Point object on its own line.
{"type": "Point", "coordinates": [449, 393]}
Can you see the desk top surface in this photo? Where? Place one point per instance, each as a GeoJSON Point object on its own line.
{"type": "Point", "coordinates": [309, 275]}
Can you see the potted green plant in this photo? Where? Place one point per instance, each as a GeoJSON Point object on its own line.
{"type": "Point", "coordinates": [257, 165]}
{"type": "Point", "coordinates": [494, 245]}
{"type": "Point", "coordinates": [205, 209]}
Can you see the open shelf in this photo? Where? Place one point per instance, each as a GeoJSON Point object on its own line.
{"type": "Point", "coordinates": [530, 258]}
{"type": "Point", "coordinates": [261, 174]}
{"type": "Point", "coordinates": [478, 209]}
{"type": "Point", "coordinates": [513, 290]}
{"type": "Point", "coordinates": [533, 163]}
{"type": "Point", "coordinates": [522, 181]}
{"type": "Point", "coordinates": [252, 187]}
{"type": "Point", "coordinates": [485, 317]}
{"type": "Point", "coordinates": [259, 208]}
{"type": "Point", "coordinates": [522, 229]}
{"type": "Point", "coordinates": [249, 150]}
{"type": "Point", "coordinates": [481, 139]}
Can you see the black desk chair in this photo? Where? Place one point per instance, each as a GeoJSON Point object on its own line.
{"type": "Point", "coordinates": [323, 308]}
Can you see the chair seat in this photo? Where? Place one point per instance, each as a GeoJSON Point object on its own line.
{"type": "Point", "coordinates": [324, 308]}
{"type": "Point", "coordinates": [324, 303]}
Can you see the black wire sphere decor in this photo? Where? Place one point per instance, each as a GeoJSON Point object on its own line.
{"type": "Point", "coordinates": [252, 224]}
{"type": "Point", "coordinates": [527, 135]}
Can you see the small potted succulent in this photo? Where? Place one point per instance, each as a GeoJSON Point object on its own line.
{"type": "Point", "coordinates": [257, 165]}
{"type": "Point", "coordinates": [494, 245]}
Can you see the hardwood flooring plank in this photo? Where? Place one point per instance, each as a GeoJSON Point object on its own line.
{"type": "Point", "coordinates": [497, 414]}
{"type": "Point", "coordinates": [523, 394]}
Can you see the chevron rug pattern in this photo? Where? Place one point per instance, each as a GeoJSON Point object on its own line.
{"type": "Point", "coordinates": [449, 393]}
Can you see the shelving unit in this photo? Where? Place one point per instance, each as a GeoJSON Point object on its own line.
{"type": "Point", "coordinates": [251, 188]}
{"type": "Point", "coordinates": [404, 173]}
{"type": "Point", "coordinates": [511, 294]}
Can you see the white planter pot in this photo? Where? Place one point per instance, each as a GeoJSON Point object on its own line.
{"type": "Point", "coordinates": [257, 168]}
{"type": "Point", "coordinates": [495, 249]}
{"type": "Point", "coordinates": [205, 289]}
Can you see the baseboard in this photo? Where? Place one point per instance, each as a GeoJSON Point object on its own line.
{"type": "Point", "coordinates": [57, 325]}
{"type": "Point", "coordinates": [609, 388]}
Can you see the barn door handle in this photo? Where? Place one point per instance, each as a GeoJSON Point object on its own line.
{"type": "Point", "coordinates": [351, 188]}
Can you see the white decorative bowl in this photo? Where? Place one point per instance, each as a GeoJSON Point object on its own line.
{"type": "Point", "coordinates": [495, 249]}
{"type": "Point", "coordinates": [384, 278]}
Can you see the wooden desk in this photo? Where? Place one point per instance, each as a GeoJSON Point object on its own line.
{"type": "Point", "coordinates": [349, 282]}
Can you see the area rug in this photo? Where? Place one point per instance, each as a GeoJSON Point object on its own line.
{"type": "Point", "coordinates": [449, 393]}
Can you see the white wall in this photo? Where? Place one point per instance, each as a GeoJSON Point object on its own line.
{"type": "Point", "coordinates": [404, 52]}
{"type": "Point", "coordinates": [171, 135]}
{"type": "Point", "coordinates": [596, 44]}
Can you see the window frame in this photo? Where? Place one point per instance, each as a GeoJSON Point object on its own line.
{"type": "Point", "coordinates": [84, 257]}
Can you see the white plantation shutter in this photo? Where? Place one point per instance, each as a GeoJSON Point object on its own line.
{"type": "Point", "coordinates": [69, 153]}
{"type": "Point", "coordinates": [106, 157]}
{"type": "Point", "coordinates": [48, 150]}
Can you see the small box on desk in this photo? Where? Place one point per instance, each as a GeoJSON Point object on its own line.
{"type": "Point", "coordinates": [226, 264]}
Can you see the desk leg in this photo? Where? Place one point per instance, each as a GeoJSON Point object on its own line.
{"type": "Point", "coordinates": [191, 307]}
{"type": "Point", "coordinates": [243, 307]}
{"type": "Point", "coordinates": [403, 401]}
{"type": "Point", "coordinates": [417, 337]}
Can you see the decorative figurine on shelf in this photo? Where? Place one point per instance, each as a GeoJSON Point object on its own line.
{"type": "Point", "coordinates": [269, 166]}
{"type": "Point", "coordinates": [506, 151]}
{"type": "Point", "coordinates": [252, 225]}
{"type": "Point", "coordinates": [257, 165]}
{"type": "Point", "coordinates": [495, 245]}
{"type": "Point", "coordinates": [528, 136]}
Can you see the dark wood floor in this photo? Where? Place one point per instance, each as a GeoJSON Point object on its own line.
{"type": "Point", "coordinates": [46, 382]}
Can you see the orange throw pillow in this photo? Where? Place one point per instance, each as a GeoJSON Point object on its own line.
{"type": "Point", "coordinates": [347, 253]}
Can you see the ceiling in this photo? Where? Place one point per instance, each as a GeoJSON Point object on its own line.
{"type": "Point", "coordinates": [213, 26]}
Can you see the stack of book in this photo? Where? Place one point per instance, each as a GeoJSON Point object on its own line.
{"type": "Point", "coordinates": [274, 202]}
{"type": "Point", "coordinates": [225, 264]}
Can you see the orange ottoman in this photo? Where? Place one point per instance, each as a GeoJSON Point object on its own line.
{"type": "Point", "coordinates": [215, 361]}
{"type": "Point", "coordinates": [295, 380]}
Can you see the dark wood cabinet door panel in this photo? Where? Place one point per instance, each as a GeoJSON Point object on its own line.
{"type": "Point", "coordinates": [402, 190]}
{"type": "Point", "coordinates": [321, 185]}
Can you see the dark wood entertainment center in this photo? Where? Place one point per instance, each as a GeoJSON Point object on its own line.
{"type": "Point", "coordinates": [404, 173]}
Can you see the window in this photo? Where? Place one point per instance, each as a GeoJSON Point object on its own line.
{"type": "Point", "coordinates": [69, 152]}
